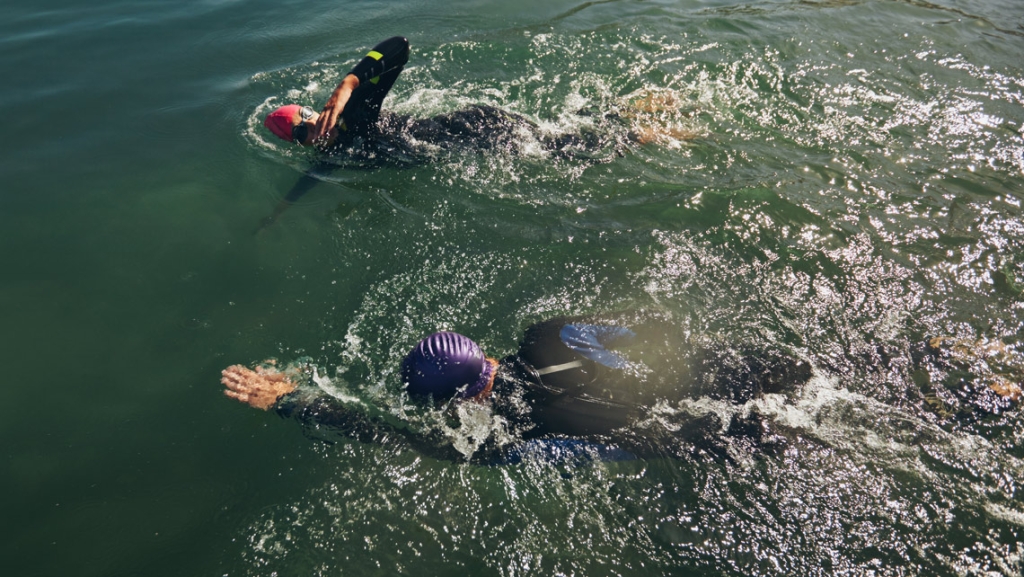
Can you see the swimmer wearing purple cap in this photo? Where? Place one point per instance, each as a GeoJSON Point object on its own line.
{"type": "Point", "coordinates": [448, 364]}
{"type": "Point", "coordinates": [596, 380]}
{"type": "Point", "coordinates": [575, 379]}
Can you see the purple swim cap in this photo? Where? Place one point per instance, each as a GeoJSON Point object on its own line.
{"type": "Point", "coordinates": [445, 362]}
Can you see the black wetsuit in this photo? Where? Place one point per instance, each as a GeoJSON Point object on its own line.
{"type": "Point", "coordinates": [377, 72]}
{"type": "Point", "coordinates": [584, 378]}
{"type": "Point", "coordinates": [579, 389]}
{"type": "Point", "coordinates": [367, 133]}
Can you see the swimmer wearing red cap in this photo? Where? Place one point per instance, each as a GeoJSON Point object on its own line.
{"type": "Point", "coordinates": [354, 112]}
{"type": "Point", "coordinates": [354, 106]}
{"type": "Point", "coordinates": [352, 122]}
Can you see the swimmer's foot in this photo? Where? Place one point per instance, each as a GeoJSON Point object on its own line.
{"type": "Point", "coordinates": [1007, 389]}
{"type": "Point", "coordinates": [1006, 367]}
{"type": "Point", "coordinates": [656, 116]}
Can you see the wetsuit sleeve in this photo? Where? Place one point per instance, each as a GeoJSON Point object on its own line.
{"type": "Point", "coordinates": [389, 55]}
{"type": "Point", "coordinates": [315, 409]}
{"type": "Point", "coordinates": [347, 419]}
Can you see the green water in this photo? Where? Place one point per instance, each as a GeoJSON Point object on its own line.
{"type": "Point", "coordinates": [852, 177]}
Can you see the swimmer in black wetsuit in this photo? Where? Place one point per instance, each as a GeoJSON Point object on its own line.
{"type": "Point", "coordinates": [352, 122]}
{"type": "Point", "coordinates": [352, 118]}
{"type": "Point", "coordinates": [609, 387]}
{"type": "Point", "coordinates": [589, 382]}
{"type": "Point", "coordinates": [351, 113]}
{"type": "Point", "coordinates": [354, 106]}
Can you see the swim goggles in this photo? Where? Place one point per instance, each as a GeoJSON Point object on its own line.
{"type": "Point", "coordinates": [301, 131]}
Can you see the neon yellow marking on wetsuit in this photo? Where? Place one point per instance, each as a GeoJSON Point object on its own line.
{"type": "Point", "coordinates": [375, 55]}
{"type": "Point", "coordinates": [375, 80]}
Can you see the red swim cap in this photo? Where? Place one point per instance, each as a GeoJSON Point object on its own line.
{"type": "Point", "coordinates": [280, 121]}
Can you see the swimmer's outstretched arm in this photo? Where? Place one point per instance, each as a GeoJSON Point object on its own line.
{"type": "Point", "coordinates": [384, 57]}
{"type": "Point", "coordinates": [266, 387]}
{"type": "Point", "coordinates": [288, 393]}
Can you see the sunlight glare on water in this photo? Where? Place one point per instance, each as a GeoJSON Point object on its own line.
{"type": "Point", "coordinates": [840, 180]}
{"type": "Point", "coordinates": [823, 192]}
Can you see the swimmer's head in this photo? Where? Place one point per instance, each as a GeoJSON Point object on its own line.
{"type": "Point", "coordinates": [447, 364]}
{"type": "Point", "coordinates": [293, 123]}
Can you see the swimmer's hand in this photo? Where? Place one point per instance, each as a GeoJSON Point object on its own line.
{"type": "Point", "coordinates": [334, 107]}
{"type": "Point", "coordinates": [260, 387]}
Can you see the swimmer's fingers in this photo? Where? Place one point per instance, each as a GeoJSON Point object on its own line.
{"type": "Point", "coordinates": [328, 118]}
{"type": "Point", "coordinates": [243, 397]}
{"type": "Point", "coordinates": [237, 377]}
{"type": "Point", "coordinates": [238, 381]}
{"type": "Point", "coordinates": [335, 106]}
{"type": "Point", "coordinates": [259, 388]}
{"type": "Point", "coordinates": [329, 115]}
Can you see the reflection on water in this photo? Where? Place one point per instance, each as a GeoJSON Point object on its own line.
{"type": "Point", "coordinates": [866, 478]}
{"type": "Point", "coordinates": [842, 195]}
{"type": "Point", "coordinates": [837, 179]}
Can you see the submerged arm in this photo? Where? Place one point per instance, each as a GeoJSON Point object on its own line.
{"type": "Point", "coordinates": [305, 184]}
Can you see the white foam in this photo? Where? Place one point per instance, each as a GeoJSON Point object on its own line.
{"type": "Point", "coordinates": [1005, 514]}
{"type": "Point", "coordinates": [329, 386]}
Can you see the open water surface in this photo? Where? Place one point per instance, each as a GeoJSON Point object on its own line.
{"type": "Point", "coordinates": [845, 177]}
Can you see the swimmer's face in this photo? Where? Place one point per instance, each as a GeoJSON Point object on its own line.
{"type": "Point", "coordinates": [302, 126]}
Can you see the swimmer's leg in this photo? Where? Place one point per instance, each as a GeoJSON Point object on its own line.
{"type": "Point", "coordinates": [740, 378]}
